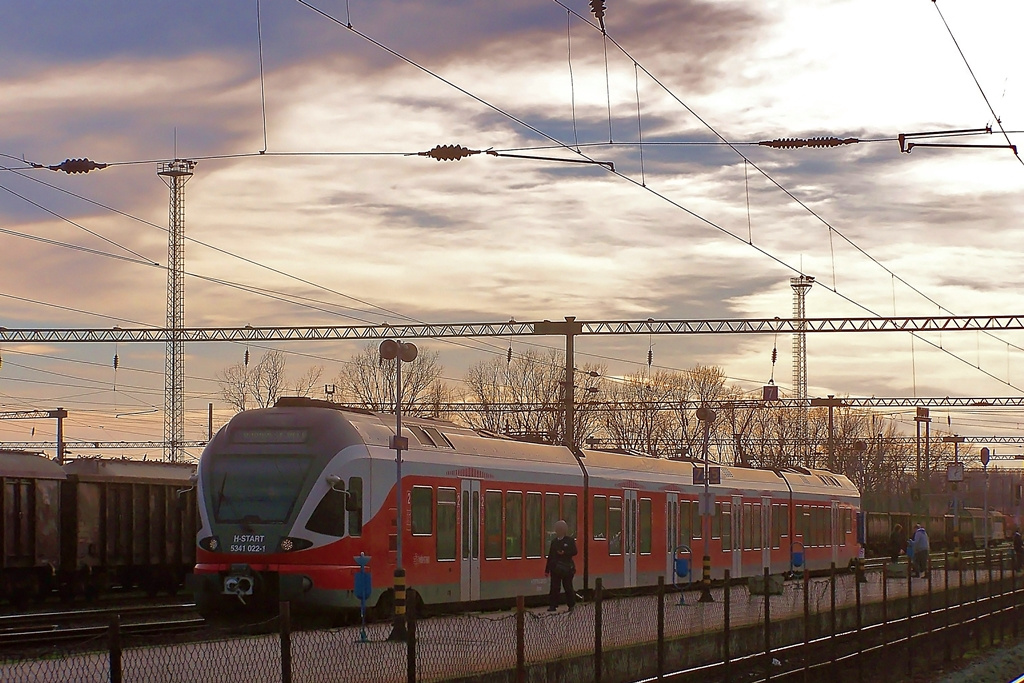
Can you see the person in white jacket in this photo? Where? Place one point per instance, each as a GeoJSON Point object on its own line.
{"type": "Point", "coordinates": [919, 542]}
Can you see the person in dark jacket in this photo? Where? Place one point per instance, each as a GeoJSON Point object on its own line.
{"type": "Point", "coordinates": [560, 566]}
{"type": "Point", "coordinates": [897, 541]}
{"type": "Point", "coordinates": [1018, 551]}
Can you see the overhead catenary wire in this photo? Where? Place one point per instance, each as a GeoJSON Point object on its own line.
{"type": "Point", "coordinates": [981, 90]}
{"type": "Point", "coordinates": [304, 3]}
{"type": "Point", "coordinates": [787, 192]}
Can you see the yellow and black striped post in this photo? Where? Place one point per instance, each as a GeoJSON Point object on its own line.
{"type": "Point", "coordinates": [705, 582]}
{"type": "Point", "coordinates": [398, 628]}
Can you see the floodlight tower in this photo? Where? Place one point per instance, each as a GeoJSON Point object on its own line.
{"type": "Point", "coordinates": [801, 285]}
{"type": "Point", "coordinates": [175, 174]}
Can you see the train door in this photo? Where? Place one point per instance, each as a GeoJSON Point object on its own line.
{"type": "Point", "coordinates": [766, 531]}
{"type": "Point", "coordinates": [834, 532]}
{"type": "Point", "coordinates": [737, 536]}
{"type": "Point", "coordinates": [630, 516]}
{"type": "Point", "coordinates": [671, 532]}
{"type": "Point", "coordinates": [470, 533]}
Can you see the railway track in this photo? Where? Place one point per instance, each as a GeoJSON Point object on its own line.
{"type": "Point", "coordinates": [68, 627]}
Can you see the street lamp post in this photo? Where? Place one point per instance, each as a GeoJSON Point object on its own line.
{"type": "Point", "coordinates": [398, 352]}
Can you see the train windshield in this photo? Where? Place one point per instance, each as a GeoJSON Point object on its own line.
{"type": "Point", "coordinates": [256, 489]}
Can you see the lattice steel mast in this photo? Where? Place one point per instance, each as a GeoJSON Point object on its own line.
{"type": "Point", "coordinates": [175, 174]}
{"type": "Point", "coordinates": [801, 285]}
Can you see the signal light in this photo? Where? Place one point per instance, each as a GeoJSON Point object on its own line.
{"type": "Point", "coordinates": [449, 152]}
{"type": "Point", "coordinates": [70, 166]}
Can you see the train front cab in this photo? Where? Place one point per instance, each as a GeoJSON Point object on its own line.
{"type": "Point", "coordinates": [282, 506]}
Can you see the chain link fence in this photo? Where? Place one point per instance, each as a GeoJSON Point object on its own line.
{"type": "Point", "coordinates": [738, 632]}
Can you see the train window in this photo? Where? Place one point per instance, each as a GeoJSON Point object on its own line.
{"type": "Point", "coordinates": [748, 527]}
{"type": "Point", "coordinates": [552, 513]}
{"type": "Point", "coordinates": [355, 517]}
{"type": "Point", "coordinates": [600, 518]}
{"type": "Point", "coordinates": [716, 522]}
{"type": "Point", "coordinates": [514, 525]}
{"type": "Point", "coordinates": [646, 533]}
{"type": "Point", "coordinates": [803, 524]}
{"type": "Point", "coordinates": [447, 516]}
{"type": "Point", "coordinates": [439, 439]}
{"type": "Point", "coordinates": [492, 525]}
{"type": "Point", "coordinates": [756, 534]}
{"type": "Point", "coordinates": [685, 523]}
{"type": "Point", "coordinates": [421, 435]}
{"type": "Point", "coordinates": [696, 523]}
{"type": "Point", "coordinates": [569, 512]}
{"type": "Point", "coordinates": [534, 528]}
{"type": "Point", "coordinates": [255, 488]}
{"type": "Point", "coordinates": [422, 511]}
{"type": "Point", "coordinates": [329, 516]}
{"type": "Point", "coordinates": [614, 525]}
{"type": "Point", "coordinates": [726, 526]}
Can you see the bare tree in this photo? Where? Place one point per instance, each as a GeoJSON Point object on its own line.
{"type": "Point", "coordinates": [309, 380]}
{"type": "Point", "coordinates": [262, 384]}
{"type": "Point", "coordinates": [234, 385]}
{"type": "Point", "coordinates": [370, 382]}
{"type": "Point", "coordinates": [267, 378]}
{"type": "Point", "coordinates": [524, 395]}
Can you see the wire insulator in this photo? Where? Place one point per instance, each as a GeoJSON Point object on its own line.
{"type": "Point", "coordinates": [246, 361]}
{"type": "Point", "coordinates": [509, 359]}
{"type": "Point", "coordinates": [775, 355]}
{"type": "Point", "coordinates": [650, 357]}
{"type": "Point", "coordinates": [449, 152]}
{"type": "Point", "coordinates": [598, 9]}
{"type": "Point", "coordinates": [77, 166]}
{"type": "Point", "coordinates": [117, 361]}
{"type": "Point", "coordinates": [791, 143]}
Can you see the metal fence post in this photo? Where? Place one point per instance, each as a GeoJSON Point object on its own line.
{"type": "Point", "coordinates": [928, 604]}
{"type": "Point", "coordinates": [114, 642]}
{"type": "Point", "coordinates": [860, 643]}
{"type": "Point", "coordinates": [767, 628]}
{"type": "Point", "coordinates": [410, 644]}
{"type": "Point", "coordinates": [885, 593]}
{"type": "Point", "coordinates": [285, 629]}
{"type": "Point", "coordinates": [520, 639]}
{"type": "Point", "coordinates": [1013, 599]}
{"type": "Point", "coordinates": [910, 614]}
{"type": "Point", "coordinates": [832, 639]}
{"type": "Point", "coordinates": [807, 624]}
{"type": "Point", "coordinates": [660, 627]}
{"type": "Point", "coordinates": [725, 629]}
{"type": "Point", "coordinates": [945, 611]}
{"type": "Point", "coordinates": [976, 611]}
{"type": "Point", "coordinates": [598, 650]}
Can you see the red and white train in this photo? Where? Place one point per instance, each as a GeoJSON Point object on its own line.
{"type": "Point", "coordinates": [289, 495]}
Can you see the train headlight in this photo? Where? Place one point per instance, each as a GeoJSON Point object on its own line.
{"type": "Point", "coordinates": [290, 544]}
{"type": "Point", "coordinates": [210, 543]}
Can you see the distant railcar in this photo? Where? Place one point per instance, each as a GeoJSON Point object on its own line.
{"type": "Point", "coordinates": [30, 534]}
{"type": "Point", "coordinates": [289, 495]}
{"type": "Point", "coordinates": [126, 522]}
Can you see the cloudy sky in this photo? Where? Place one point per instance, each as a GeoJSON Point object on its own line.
{"type": "Point", "coordinates": [380, 236]}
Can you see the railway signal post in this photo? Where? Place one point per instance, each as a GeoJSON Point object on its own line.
{"type": "Point", "coordinates": [707, 416]}
{"type": "Point", "coordinates": [398, 352]}
{"type": "Point", "coordinates": [955, 475]}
